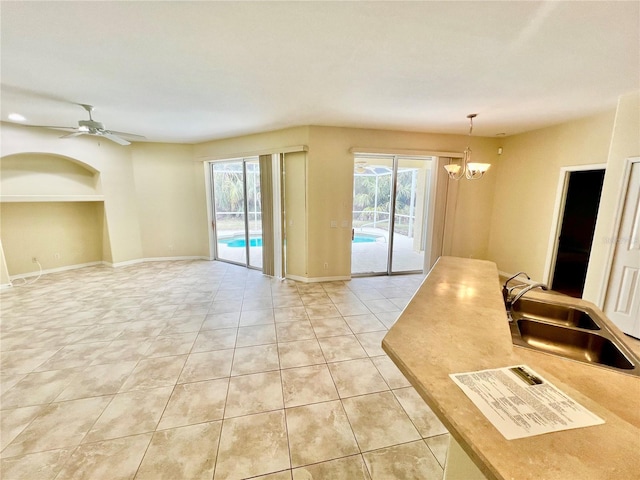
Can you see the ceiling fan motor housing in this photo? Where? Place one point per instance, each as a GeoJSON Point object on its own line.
{"type": "Point", "coordinates": [91, 125]}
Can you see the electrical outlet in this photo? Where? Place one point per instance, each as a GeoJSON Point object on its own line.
{"type": "Point", "coordinates": [34, 259]}
{"type": "Point", "coordinates": [326, 265]}
{"type": "Point", "coordinates": [56, 256]}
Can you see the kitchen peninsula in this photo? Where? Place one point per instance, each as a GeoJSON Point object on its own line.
{"type": "Point", "coordinates": [455, 323]}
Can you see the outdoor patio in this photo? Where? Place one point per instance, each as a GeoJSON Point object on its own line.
{"type": "Point", "coordinates": [371, 257]}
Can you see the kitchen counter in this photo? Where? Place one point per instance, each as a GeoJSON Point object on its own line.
{"type": "Point", "coordinates": [456, 322]}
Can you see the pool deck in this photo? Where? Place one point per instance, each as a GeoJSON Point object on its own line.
{"type": "Point", "coordinates": [371, 257]}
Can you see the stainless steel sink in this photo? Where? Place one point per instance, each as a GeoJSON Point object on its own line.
{"type": "Point", "coordinates": [565, 315]}
{"type": "Point", "coordinates": [573, 343]}
{"type": "Point", "coordinates": [570, 332]}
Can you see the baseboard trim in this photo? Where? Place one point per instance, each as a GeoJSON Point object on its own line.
{"type": "Point", "coordinates": [92, 264]}
{"type": "Point", "coordinates": [164, 259]}
{"type": "Point", "coordinates": [54, 270]}
{"type": "Point", "coordinates": [136, 261]}
{"type": "Point", "coordinates": [126, 263]}
{"type": "Point", "coordinates": [317, 279]}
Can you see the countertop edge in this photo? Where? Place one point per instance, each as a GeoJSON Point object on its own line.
{"type": "Point", "coordinates": [427, 344]}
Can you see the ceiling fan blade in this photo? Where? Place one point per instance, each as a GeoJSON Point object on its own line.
{"type": "Point", "coordinates": [51, 126]}
{"type": "Point", "coordinates": [115, 138]}
{"type": "Point", "coordinates": [73, 134]}
{"type": "Point", "coordinates": [125, 134]}
{"type": "Point", "coordinates": [93, 127]}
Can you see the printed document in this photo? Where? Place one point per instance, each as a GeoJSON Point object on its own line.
{"type": "Point", "coordinates": [520, 403]}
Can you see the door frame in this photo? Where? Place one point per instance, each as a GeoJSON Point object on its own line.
{"type": "Point", "coordinates": [211, 211]}
{"type": "Point", "coordinates": [617, 224]}
{"type": "Point", "coordinates": [208, 182]}
{"type": "Point", "coordinates": [558, 215]}
{"type": "Point", "coordinates": [278, 214]}
{"type": "Point", "coordinates": [434, 223]}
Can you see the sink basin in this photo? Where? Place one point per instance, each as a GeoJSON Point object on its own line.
{"type": "Point", "coordinates": [554, 313]}
{"type": "Point", "coordinates": [571, 343]}
{"type": "Point", "coordinates": [571, 332]}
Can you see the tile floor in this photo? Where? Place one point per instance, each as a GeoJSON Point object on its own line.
{"type": "Point", "coordinates": [204, 370]}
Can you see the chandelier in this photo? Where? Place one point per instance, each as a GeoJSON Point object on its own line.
{"type": "Point", "coordinates": [470, 170]}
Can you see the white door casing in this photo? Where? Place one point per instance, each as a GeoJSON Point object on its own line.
{"type": "Point", "coordinates": [622, 302]}
{"type": "Point", "coordinates": [558, 215]}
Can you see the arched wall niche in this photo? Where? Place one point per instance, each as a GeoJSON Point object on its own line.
{"type": "Point", "coordinates": [51, 209]}
{"type": "Point", "coordinates": [112, 169]}
{"type": "Point", "coordinates": [81, 163]}
{"type": "Point", "coordinates": [35, 174]}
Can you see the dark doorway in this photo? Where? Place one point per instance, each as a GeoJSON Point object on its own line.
{"type": "Point", "coordinates": [576, 235]}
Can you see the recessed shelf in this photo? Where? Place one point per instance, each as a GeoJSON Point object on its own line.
{"type": "Point", "coordinates": [51, 198]}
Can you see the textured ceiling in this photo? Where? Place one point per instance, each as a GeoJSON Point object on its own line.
{"type": "Point", "coordinates": [194, 71]}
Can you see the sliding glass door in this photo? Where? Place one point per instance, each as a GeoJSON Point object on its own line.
{"type": "Point", "coordinates": [237, 211]}
{"type": "Point", "coordinates": [372, 193]}
{"type": "Point", "coordinates": [390, 198]}
{"type": "Point", "coordinates": [254, 212]}
{"type": "Point", "coordinates": [410, 202]}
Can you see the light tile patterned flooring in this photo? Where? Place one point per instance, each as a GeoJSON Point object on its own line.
{"type": "Point", "coordinates": [204, 370]}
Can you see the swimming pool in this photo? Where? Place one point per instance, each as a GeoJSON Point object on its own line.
{"type": "Point", "coordinates": [236, 242]}
{"type": "Point", "coordinates": [365, 238]}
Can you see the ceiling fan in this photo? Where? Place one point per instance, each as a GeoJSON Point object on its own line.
{"type": "Point", "coordinates": [92, 127]}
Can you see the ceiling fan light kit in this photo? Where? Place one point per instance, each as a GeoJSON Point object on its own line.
{"type": "Point", "coordinates": [95, 128]}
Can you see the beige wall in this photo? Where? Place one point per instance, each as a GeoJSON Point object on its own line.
{"type": "Point", "coordinates": [295, 213]}
{"type": "Point", "coordinates": [625, 143]}
{"type": "Point", "coordinates": [171, 202]}
{"type": "Point", "coordinates": [155, 204]}
{"type": "Point", "coordinates": [525, 190]}
{"type": "Point", "coordinates": [249, 145]}
{"type": "Point", "coordinates": [154, 194]}
{"type": "Point", "coordinates": [331, 190]}
{"type": "Point", "coordinates": [329, 185]}
{"type": "Point", "coordinates": [39, 177]}
{"type": "Point", "coordinates": [114, 164]}
{"type": "Point", "coordinates": [59, 234]}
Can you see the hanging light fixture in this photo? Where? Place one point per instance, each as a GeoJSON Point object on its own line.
{"type": "Point", "coordinates": [469, 169]}
{"type": "Point", "coordinates": [360, 166]}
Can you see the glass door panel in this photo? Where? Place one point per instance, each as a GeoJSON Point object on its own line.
{"type": "Point", "coordinates": [254, 213]}
{"type": "Point", "coordinates": [230, 218]}
{"type": "Point", "coordinates": [390, 194]}
{"type": "Point", "coordinates": [409, 232]}
{"type": "Point", "coordinates": [372, 182]}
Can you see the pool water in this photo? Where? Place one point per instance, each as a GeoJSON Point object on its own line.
{"type": "Point", "coordinates": [241, 242]}
{"type": "Point", "coordinates": [363, 239]}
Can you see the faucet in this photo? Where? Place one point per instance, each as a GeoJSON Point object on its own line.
{"type": "Point", "coordinates": [511, 300]}
{"type": "Point", "coordinates": [526, 289]}
{"type": "Point", "coordinates": [506, 291]}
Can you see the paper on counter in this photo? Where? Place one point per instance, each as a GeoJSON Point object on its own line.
{"type": "Point", "coordinates": [520, 403]}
